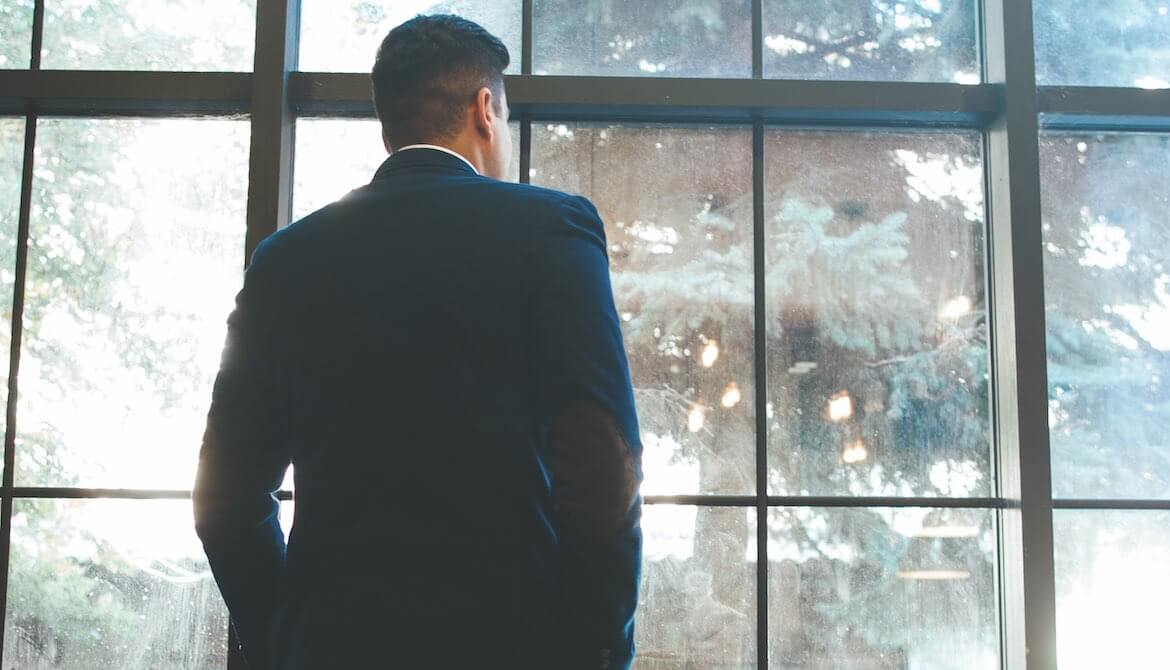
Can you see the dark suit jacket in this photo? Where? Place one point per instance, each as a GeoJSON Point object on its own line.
{"type": "Point", "coordinates": [408, 349]}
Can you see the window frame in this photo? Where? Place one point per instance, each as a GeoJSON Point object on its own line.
{"type": "Point", "coordinates": [1007, 109]}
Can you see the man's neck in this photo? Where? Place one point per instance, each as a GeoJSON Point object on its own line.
{"type": "Point", "coordinates": [446, 150]}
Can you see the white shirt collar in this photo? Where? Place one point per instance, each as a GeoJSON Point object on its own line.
{"type": "Point", "coordinates": [439, 148]}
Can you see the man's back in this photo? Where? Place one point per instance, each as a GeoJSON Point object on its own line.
{"type": "Point", "coordinates": [409, 349]}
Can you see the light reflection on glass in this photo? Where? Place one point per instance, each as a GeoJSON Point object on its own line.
{"type": "Point", "coordinates": [1111, 588]}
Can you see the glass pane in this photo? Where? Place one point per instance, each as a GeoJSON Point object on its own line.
{"type": "Point", "coordinates": [877, 314]}
{"type": "Point", "coordinates": [11, 166]}
{"type": "Point", "coordinates": [1111, 588]}
{"type": "Point", "coordinates": [677, 206]}
{"type": "Point", "coordinates": [1118, 43]}
{"type": "Point", "coordinates": [16, 18]}
{"type": "Point", "coordinates": [882, 589]}
{"type": "Point", "coordinates": [344, 35]}
{"type": "Point", "coordinates": [1107, 285]}
{"type": "Point", "coordinates": [666, 38]}
{"type": "Point", "coordinates": [136, 251]}
{"type": "Point", "coordinates": [335, 156]}
{"type": "Point", "coordinates": [698, 603]}
{"type": "Point", "coordinates": [915, 40]}
{"type": "Point", "coordinates": [215, 35]}
{"type": "Point", "coordinates": [111, 584]}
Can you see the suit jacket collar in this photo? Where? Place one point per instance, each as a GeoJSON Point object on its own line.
{"type": "Point", "coordinates": [431, 160]}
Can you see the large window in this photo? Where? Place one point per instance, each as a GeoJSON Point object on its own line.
{"type": "Point", "coordinates": [883, 398]}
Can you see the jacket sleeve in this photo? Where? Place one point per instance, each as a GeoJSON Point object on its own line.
{"type": "Point", "coordinates": [241, 465]}
{"type": "Point", "coordinates": [592, 450]}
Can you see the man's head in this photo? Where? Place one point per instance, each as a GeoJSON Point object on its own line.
{"type": "Point", "coordinates": [440, 80]}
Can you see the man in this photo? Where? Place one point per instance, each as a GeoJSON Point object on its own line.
{"type": "Point", "coordinates": [439, 357]}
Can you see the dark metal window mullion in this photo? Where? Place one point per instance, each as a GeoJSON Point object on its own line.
{"type": "Point", "coordinates": [525, 149]}
{"type": "Point", "coordinates": [1027, 571]}
{"type": "Point", "coordinates": [17, 327]}
{"type": "Point", "coordinates": [1116, 504]}
{"type": "Point", "coordinates": [271, 159]}
{"type": "Point", "coordinates": [78, 93]}
{"type": "Point", "coordinates": [761, 385]}
{"type": "Point", "coordinates": [760, 359]}
{"type": "Point", "coordinates": [526, 49]}
{"type": "Point", "coordinates": [77, 493]}
{"type": "Point", "coordinates": [270, 165]}
{"type": "Point", "coordinates": [700, 500]}
{"type": "Point", "coordinates": [757, 39]}
{"type": "Point", "coordinates": [997, 488]}
{"type": "Point", "coordinates": [526, 29]}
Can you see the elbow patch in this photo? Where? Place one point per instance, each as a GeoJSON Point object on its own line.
{"type": "Point", "coordinates": [594, 475]}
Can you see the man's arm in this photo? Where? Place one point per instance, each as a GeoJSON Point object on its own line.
{"type": "Point", "coordinates": [593, 452]}
{"type": "Point", "coordinates": [242, 463]}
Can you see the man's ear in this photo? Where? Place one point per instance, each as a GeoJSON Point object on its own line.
{"type": "Point", "coordinates": [386, 143]}
{"type": "Point", "coordinates": [485, 112]}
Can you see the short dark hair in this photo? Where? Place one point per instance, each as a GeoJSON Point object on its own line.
{"type": "Point", "coordinates": [426, 73]}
